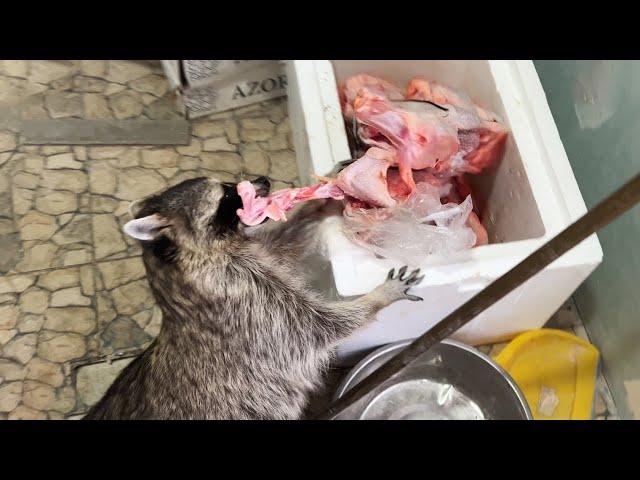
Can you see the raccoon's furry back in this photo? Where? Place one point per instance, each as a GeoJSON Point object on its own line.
{"type": "Point", "coordinates": [237, 342]}
{"type": "Point", "coordinates": [242, 336]}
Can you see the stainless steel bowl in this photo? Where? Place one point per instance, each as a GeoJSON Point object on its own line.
{"type": "Point", "coordinates": [450, 381]}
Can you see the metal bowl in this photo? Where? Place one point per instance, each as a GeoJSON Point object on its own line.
{"type": "Point", "coordinates": [450, 381]}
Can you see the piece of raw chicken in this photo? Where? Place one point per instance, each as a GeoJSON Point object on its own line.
{"type": "Point", "coordinates": [349, 90]}
{"type": "Point", "coordinates": [432, 128]}
{"type": "Point", "coordinates": [372, 182]}
{"type": "Point", "coordinates": [481, 134]}
{"type": "Point", "coordinates": [435, 135]}
{"type": "Point", "coordinates": [255, 209]}
{"type": "Point", "coordinates": [366, 179]}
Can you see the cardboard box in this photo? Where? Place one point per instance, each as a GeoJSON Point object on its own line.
{"type": "Point", "coordinates": [199, 73]}
{"type": "Point", "coordinates": [211, 86]}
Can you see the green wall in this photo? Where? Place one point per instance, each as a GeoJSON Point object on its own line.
{"type": "Point", "coordinates": [596, 105]}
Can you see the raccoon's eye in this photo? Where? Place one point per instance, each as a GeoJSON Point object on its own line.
{"type": "Point", "coordinates": [226, 218]}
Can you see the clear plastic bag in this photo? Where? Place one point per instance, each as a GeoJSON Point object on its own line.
{"type": "Point", "coordinates": [417, 227]}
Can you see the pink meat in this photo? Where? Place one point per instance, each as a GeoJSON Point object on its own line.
{"type": "Point", "coordinates": [399, 190]}
{"type": "Point", "coordinates": [462, 190]}
{"type": "Point", "coordinates": [419, 143]}
{"type": "Point", "coordinates": [366, 179]}
{"type": "Point", "coordinates": [364, 84]}
{"type": "Point", "coordinates": [492, 142]}
{"type": "Point", "coordinates": [371, 180]}
{"type": "Point", "coordinates": [421, 89]}
{"type": "Point", "coordinates": [464, 139]}
{"type": "Point", "coordinates": [479, 127]}
{"type": "Point", "coordinates": [410, 142]}
{"type": "Point", "coordinates": [256, 209]}
{"type": "Point", "coordinates": [482, 237]}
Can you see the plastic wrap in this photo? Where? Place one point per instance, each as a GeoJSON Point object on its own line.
{"type": "Point", "coordinates": [419, 226]}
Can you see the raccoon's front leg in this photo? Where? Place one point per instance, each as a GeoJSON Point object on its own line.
{"type": "Point", "coordinates": [340, 319]}
{"type": "Point", "coordinates": [395, 288]}
{"type": "Point", "coordinates": [298, 235]}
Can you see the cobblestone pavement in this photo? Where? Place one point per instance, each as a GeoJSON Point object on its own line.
{"type": "Point", "coordinates": [75, 306]}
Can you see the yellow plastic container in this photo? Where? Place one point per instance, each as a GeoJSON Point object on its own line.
{"type": "Point", "coordinates": [556, 372]}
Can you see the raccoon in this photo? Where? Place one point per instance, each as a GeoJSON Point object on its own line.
{"type": "Point", "coordinates": [242, 336]}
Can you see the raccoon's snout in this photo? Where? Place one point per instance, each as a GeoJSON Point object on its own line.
{"type": "Point", "coordinates": [262, 185]}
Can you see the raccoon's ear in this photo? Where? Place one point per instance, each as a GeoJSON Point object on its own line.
{"type": "Point", "coordinates": [146, 228]}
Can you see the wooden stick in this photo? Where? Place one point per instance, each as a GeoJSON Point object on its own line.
{"type": "Point", "coordinates": [601, 215]}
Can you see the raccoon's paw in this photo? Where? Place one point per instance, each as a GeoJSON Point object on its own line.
{"type": "Point", "coordinates": [398, 285]}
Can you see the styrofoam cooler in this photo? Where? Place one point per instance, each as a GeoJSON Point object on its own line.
{"type": "Point", "coordinates": [531, 197]}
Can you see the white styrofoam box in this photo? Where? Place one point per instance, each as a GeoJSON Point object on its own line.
{"type": "Point", "coordinates": [251, 86]}
{"type": "Point", "coordinates": [531, 197]}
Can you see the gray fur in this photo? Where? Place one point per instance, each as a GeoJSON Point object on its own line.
{"type": "Point", "coordinates": [242, 336]}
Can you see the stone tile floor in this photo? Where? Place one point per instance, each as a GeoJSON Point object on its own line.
{"type": "Point", "coordinates": [83, 89]}
{"type": "Point", "coordinates": [75, 306]}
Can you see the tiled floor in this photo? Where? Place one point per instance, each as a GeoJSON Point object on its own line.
{"type": "Point", "coordinates": [73, 293]}
{"type": "Point", "coordinates": [74, 302]}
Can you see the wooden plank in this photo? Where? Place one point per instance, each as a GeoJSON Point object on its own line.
{"type": "Point", "coordinates": [106, 132]}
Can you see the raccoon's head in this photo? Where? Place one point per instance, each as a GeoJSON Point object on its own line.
{"type": "Point", "coordinates": [190, 215]}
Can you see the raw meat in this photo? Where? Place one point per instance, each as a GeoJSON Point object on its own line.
{"type": "Point", "coordinates": [365, 84]}
{"type": "Point", "coordinates": [416, 227]}
{"type": "Point", "coordinates": [406, 195]}
{"type": "Point", "coordinates": [421, 89]}
{"type": "Point", "coordinates": [374, 180]}
{"type": "Point", "coordinates": [256, 209]}
{"type": "Point", "coordinates": [366, 179]}
{"type": "Point", "coordinates": [434, 127]}
{"type": "Point", "coordinates": [363, 218]}
{"type": "Point", "coordinates": [437, 133]}
{"type": "Point", "coordinates": [399, 189]}
{"type": "Point", "coordinates": [482, 237]}
{"type": "Point", "coordinates": [419, 140]}
{"type": "Point", "coordinates": [462, 190]}
{"type": "Point", "coordinates": [485, 136]}
{"type": "Point", "coordinates": [492, 142]}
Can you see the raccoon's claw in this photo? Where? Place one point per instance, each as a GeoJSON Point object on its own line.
{"type": "Point", "coordinates": [401, 273]}
{"type": "Point", "coordinates": [413, 298]}
{"type": "Point", "coordinates": [399, 283]}
{"type": "Point", "coordinates": [412, 279]}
